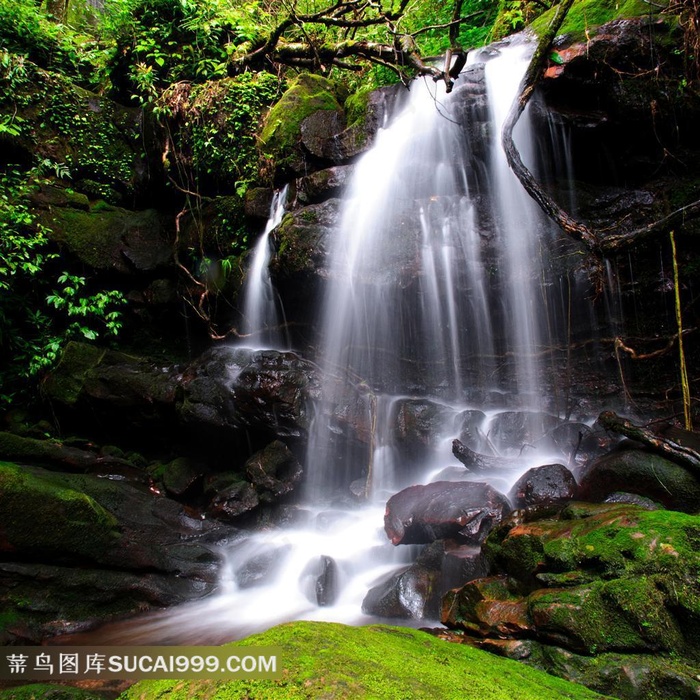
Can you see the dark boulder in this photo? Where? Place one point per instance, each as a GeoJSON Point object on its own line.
{"type": "Point", "coordinates": [113, 239]}
{"type": "Point", "coordinates": [261, 567]}
{"type": "Point", "coordinates": [83, 549]}
{"type": "Point", "coordinates": [633, 499]}
{"type": "Point", "coordinates": [301, 242]}
{"type": "Point", "coordinates": [257, 203]}
{"type": "Point", "coordinates": [271, 393]}
{"type": "Point", "coordinates": [644, 473]}
{"type": "Point", "coordinates": [320, 580]}
{"type": "Point", "coordinates": [409, 594]}
{"type": "Point", "coordinates": [324, 184]}
{"type": "Point", "coordinates": [543, 486]}
{"type": "Point", "coordinates": [232, 500]}
{"type": "Point", "coordinates": [420, 425]}
{"type": "Point", "coordinates": [274, 472]}
{"type": "Point", "coordinates": [180, 476]}
{"type": "Point", "coordinates": [112, 392]}
{"type": "Point", "coordinates": [464, 511]}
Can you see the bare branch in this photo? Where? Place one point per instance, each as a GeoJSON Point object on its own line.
{"type": "Point", "coordinates": [684, 456]}
{"type": "Point", "coordinates": [613, 244]}
{"type": "Point", "coordinates": [572, 227]}
{"type": "Point", "coordinates": [447, 25]}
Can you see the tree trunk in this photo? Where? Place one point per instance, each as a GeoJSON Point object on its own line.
{"type": "Point", "coordinates": [58, 9]}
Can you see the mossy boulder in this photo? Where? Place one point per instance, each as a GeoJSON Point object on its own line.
{"type": "Point", "coordinates": [78, 550]}
{"type": "Point", "coordinates": [595, 579]}
{"type": "Point", "coordinates": [41, 517]}
{"type": "Point", "coordinates": [109, 238]}
{"type": "Point", "coordinates": [99, 142]}
{"type": "Point", "coordinates": [214, 126]}
{"type": "Point", "coordinates": [641, 472]}
{"type": "Point", "coordinates": [108, 390]}
{"type": "Point", "coordinates": [47, 691]}
{"type": "Point", "coordinates": [326, 660]}
{"type": "Point", "coordinates": [586, 16]}
{"type": "Point", "coordinates": [281, 136]}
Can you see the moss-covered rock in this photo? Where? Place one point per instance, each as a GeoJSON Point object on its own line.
{"type": "Point", "coordinates": [109, 238]}
{"type": "Point", "coordinates": [81, 135]}
{"type": "Point", "coordinates": [324, 660]}
{"type": "Point", "coordinates": [644, 473]}
{"type": "Point", "coordinates": [596, 579]}
{"type": "Point", "coordinates": [41, 517]}
{"type": "Point", "coordinates": [214, 129]}
{"type": "Point", "coordinates": [47, 691]}
{"type": "Point", "coordinates": [585, 16]}
{"type": "Point", "coordinates": [280, 139]}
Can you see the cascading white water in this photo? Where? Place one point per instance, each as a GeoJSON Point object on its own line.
{"type": "Point", "coordinates": [261, 323]}
{"type": "Point", "coordinates": [436, 297]}
{"type": "Point", "coordinates": [518, 219]}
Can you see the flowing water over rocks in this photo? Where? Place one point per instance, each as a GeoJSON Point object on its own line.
{"type": "Point", "coordinates": [439, 299]}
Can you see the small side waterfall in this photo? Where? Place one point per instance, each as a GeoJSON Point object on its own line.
{"type": "Point", "coordinates": [261, 318]}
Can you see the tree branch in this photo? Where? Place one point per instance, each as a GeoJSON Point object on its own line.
{"type": "Point", "coordinates": [613, 244]}
{"type": "Point", "coordinates": [593, 240]}
{"type": "Point", "coordinates": [569, 225]}
{"type": "Point", "coordinates": [680, 454]}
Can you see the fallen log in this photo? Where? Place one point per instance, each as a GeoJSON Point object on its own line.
{"type": "Point", "coordinates": [685, 456]}
{"type": "Point", "coordinates": [483, 463]}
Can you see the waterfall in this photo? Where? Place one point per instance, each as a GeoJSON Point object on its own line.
{"type": "Point", "coordinates": [261, 319]}
{"type": "Point", "coordinates": [435, 293]}
{"type": "Point", "coordinates": [439, 303]}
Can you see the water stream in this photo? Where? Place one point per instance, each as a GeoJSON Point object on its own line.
{"type": "Point", "coordinates": [441, 301]}
{"type": "Point", "coordinates": [261, 318]}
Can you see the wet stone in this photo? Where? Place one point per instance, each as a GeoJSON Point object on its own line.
{"type": "Point", "coordinates": [542, 486]}
{"type": "Point", "coordinates": [465, 511]}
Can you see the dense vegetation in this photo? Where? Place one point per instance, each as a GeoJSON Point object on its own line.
{"type": "Point", "coordinates": [184, 64]}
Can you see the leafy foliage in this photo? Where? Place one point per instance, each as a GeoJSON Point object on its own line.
{"type": "Point", "coordinates": [40, 309]}
{"type": "Point", "coordinates": [156, 43]}
{"type": "Point", "coordinates": [26, 32]}
{"type": "Point", "coordinates": [214, 126]}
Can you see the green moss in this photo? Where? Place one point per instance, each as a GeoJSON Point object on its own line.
{"type": "Point", "coordinates": [66, 382]}
{"type": "Point", "coordinates": [97, 237]}
{"type": "Point", "coordinates": [221, 120]}
{"type": "Point", "coordinates": [281, 131]}
{"type": "Point", "coordinates": [96, 140]}
{"type": "Point", "coordinates": [41, 516]}
{"type": "Point", "coordinates": [586, 15]}
{"type": "Point", "coordinates": [624, 540]}
{"type": "Point", "coordinates": [356, 106]}
{"type": "Point", "coordinates": [325, 660]}
{"type": "Point", "coordinates": [46, 691]}
{"type": "Point", "coordinates": [296, 243]}
{"type": "Point", "coordinates": [620, 615]}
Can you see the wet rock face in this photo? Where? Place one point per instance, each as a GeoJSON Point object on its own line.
{"type": "Point", "coordinates": [543, 486]}
{"type": "Point", "coordinates": [323, 185]}
{"type": "Point", "coordinates": [464, 511]}
{"type": "Point", "coordinates": [410, 594]}
{"type": "Point", "coordinates": [320, 580]}
{"type": "Point", "coordinates": [274, 471]}
{"type": "Point", "coordinates": [604, 90]}
{"type": "Point", "coordinates": [642, 473]}
{"type": "Point", "coordinates": [83, 548]}
{"type": "Point", "coordinates": [511, 430]}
